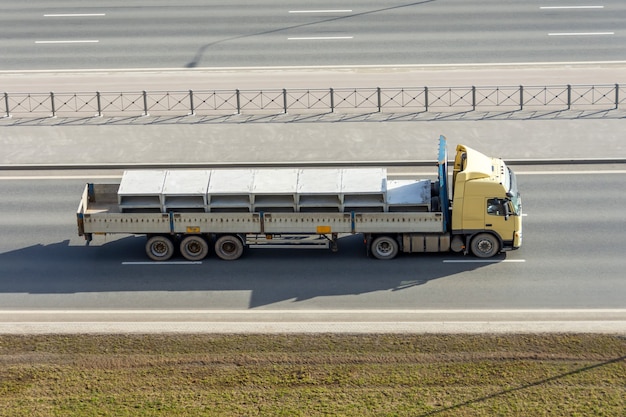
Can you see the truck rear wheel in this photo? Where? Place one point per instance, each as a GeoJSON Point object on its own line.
{"type": "Point", "coordinates": [385, 247]}
{"type": "Point", "coordinates": [194, 248]}
{"type": "Point", "coordinates": [485, 245]}
{"type": "Point", "coordinates": [229, 248]}
{"type": "Point", "coordinates": [159, 248]}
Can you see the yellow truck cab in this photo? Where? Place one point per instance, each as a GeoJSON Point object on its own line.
{"type": "Point", "coordinates": [486, 205]}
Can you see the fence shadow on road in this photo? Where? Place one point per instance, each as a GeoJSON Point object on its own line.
{"type": "Point", "coordinates": [282, 118]}
{"type": "Point", "coordinates": [262, 276]}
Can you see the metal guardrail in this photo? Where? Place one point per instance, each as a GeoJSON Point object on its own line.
{"type": "Point", "coordinates": [292, 164]}
{"type": "Point", "coordinates": [360, 100]}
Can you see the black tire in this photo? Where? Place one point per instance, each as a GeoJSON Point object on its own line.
{"type": "Point", "coordinates": [229, 248]}
{"type": "Point", "coordinates": [159, 248]}
{"type": "Point", "coordinates": [485, 245]}
{"type": "Point", "coordinates": [385, 248]}
{"type": "Point", "coordinates": [194, 248]}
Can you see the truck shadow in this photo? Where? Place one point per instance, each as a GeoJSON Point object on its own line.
{"type": "Point", "coordinates": [268, 275]}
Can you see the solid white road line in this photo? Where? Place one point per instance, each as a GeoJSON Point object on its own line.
{"type": "Point", "coordinates": [323, 67]}
{"type": "Point", "coordinates": [416, 174]}
{"type": "Point", "coordinates": [514, 65]}
{"type": "Point", "coordinates": [328, 312]}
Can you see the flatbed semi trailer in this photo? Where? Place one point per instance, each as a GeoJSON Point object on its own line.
{"type": "Point", "coordinates": [188, 211]}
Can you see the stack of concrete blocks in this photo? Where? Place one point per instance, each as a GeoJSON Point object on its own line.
{"type": "Point", "coordinates": [230, 191]}
{"type": "Point", "coordinates": [185, 191]}
{"type": "Point", "coordinates": [408, 195]}
{"type": "Point", "coordinates": [141, 191]}
{"type": "Point", "coordinates": [271, 190]}
{"type": "Point", "coordinates": [319, 190]}
{"type": "Point", "coordinates": [275, 190]}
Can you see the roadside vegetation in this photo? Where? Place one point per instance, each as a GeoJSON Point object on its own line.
{"type": "Point", "coordinates": [312, 375]}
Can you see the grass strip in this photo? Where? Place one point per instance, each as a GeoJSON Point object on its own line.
{"type": "Point", "coordinates": [312, 375]}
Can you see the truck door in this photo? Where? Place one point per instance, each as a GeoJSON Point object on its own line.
{"type": "Point", "coordinates": [497, 218]}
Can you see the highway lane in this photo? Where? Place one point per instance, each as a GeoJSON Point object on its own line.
{"type": "Point", "coordinates": [572, 258]}
{"type": "Point", "coordinates": [191, 34]}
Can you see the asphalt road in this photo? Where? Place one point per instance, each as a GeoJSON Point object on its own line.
{"type": "Point", "coordinates": [568, 273]}
{"type": "Point", "coordinates": [572, 258]}
{"type": "Point", "coordinates": [191, 34]}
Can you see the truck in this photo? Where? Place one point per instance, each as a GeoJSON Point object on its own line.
{"type": "Point", "coordinates": [190, 211]}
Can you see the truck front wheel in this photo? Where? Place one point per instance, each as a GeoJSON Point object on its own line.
{"type": "Point", "coordinates": [384, 247]}
{"type": "Point", "coordinates": [159, 248]}
{"type": "Point", "coordinates": [194, 248]}
{"type": "Point", "coordinates": [485, 245]}
{"type": "Point", "coordinates": [229, 248]}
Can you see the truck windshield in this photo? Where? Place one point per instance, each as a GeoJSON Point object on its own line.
{"type": "Point", "coordinates": [513, 193]}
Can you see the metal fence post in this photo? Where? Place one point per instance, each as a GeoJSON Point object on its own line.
{"type": "Point", "coordinates": [145, 103]}
{"type": "Point", "coordinates": [193, 110]}
{"type": "Point", "coordinates": [238, 101]}
{"type": "Point", "coordinates": [380, 103]}
{"type": "Point", "coordinates": [426, 99]}
{"type": "Point", "coordinates": [521, 97]}
{"type": "Point", "coordinates": [616, 98]}
{"type": "Point", "coordinates": [473, 98]}
{"type": "Point", "coordinates": [99, 104]}
{"type": "Point", "coordinates": [6, 103]}
{"type": "Point", "coordinates": [569, 97]}
{"type": "Point", "coordinates": [284, 100]}
{"type": "Point", "coordinates": [54, 112]}
{"type": "Point", "coordinates": [332, 100]}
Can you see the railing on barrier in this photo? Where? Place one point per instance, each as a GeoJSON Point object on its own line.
{"type": "Point", "coordinates": [364, 100]}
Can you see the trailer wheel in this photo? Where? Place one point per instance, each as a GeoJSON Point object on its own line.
{"type": "Point", "coordinates": [385, 247]}
{"type": "Point", "coordinates": [229, 248]}
{"type": "Point", "coordinates": [159, 248]}
{"type": "Point", "coordinates": [485, 245]}
{"type": "Point", "coordinates": [194, 248]}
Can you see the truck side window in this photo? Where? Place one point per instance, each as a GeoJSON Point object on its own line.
{"type": "Point", "coordinates": [495, 207]}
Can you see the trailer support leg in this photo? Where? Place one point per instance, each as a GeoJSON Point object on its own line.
{"type": "Point", "coordinates": [333, 243]}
